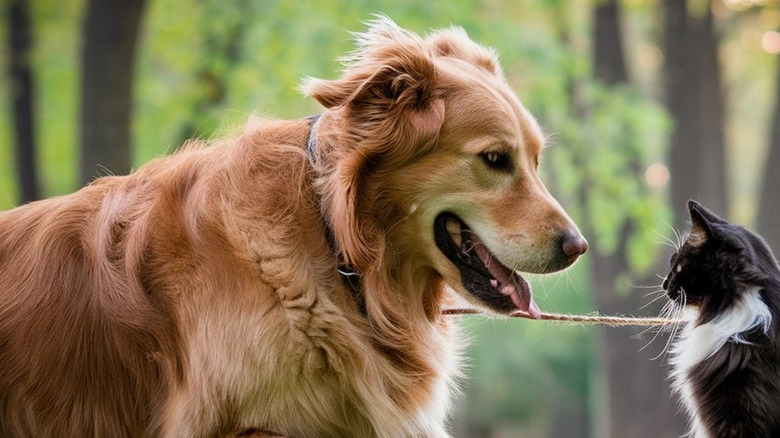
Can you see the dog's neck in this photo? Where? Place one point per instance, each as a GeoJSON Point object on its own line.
{"type": "Point", "coordinates": [349, 276]}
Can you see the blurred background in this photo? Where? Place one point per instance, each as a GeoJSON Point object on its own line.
{"type": "Point", "coordinates": [646, 103]}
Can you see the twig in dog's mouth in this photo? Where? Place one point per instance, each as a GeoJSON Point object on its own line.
{"type": "Point", "coordinates": [613, 321]}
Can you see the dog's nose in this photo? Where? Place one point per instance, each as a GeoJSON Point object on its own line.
{"type": "Point", "coordinates": [574, 244]}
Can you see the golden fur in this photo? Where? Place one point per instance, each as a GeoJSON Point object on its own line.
{"type": "Point", "coordinates": [198, 296]}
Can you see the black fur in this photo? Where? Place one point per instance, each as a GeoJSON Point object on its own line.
{"type": "Point", "coordinates": [736, 390]}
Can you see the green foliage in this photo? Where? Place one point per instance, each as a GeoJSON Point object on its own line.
{"type": "Point", "coordinates": [7, 172]}
{"type": "Point", "coordinates": [628, 134]}
{"type": "Point", "coordinates": [57, 76]}
{"type": "Point", "coordinates": [601, 170]}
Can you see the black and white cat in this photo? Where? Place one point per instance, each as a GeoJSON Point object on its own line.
{"type": "Point", "coordinates": [726, 360]}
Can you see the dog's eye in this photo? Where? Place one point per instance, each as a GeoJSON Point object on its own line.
{"type": "Point", "coordinates": [497, 161]}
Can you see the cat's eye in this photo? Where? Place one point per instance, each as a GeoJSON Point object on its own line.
{"type": "Point", "coordinates": [499, 161]}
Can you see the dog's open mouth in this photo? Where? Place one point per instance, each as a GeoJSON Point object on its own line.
{"type": "Point", "coordinates": [482, 274]}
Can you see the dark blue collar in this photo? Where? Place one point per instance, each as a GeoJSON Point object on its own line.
{"type": "Point", "coordinates": [348, 275]}
{"type": "Point", "coordinates": [311, 144]}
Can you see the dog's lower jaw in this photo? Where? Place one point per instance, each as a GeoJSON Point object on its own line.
{"type": "Point", "coordinates": [483, 277]}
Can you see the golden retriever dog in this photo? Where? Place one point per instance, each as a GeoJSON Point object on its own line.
{"type": "Point", "coordinates": [289, 280]}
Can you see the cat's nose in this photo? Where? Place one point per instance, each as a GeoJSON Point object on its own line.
{"type": "Point", "coordinates": [574, 244]}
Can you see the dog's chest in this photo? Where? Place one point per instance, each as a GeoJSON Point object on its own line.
{"type": "Point", "coordinates": [346, 388]}
{"type": "Point", "coordinates": [311, 366]}
{"type": "Point", "coordinates": [307, 370]}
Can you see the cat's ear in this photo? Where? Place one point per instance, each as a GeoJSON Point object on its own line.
{"type": "Point", "coordinates": [707, 214]}
{"type": "Point", "coordinates": [701, 224]}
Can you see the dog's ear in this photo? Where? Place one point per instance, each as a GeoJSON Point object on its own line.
{"type": "Point", "coordinates": [398, 92]}
{"type": "Point", "coordinates": [399, 79]}
{"type": "Point", "coordinates": [393, 138]}
{"type": "Point", "coordinates": [395, 116]}
{"type": "Point", "coordinates": [388, 85]}
{"type": "Point", "coordinates": [387, 98]}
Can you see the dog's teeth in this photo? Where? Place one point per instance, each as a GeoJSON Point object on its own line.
{"type": "Point", "coordinates": [453, 227]}
{"type": "Point", "coordinates": [494, 282]}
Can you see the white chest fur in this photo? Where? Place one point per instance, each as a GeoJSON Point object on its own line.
{"type": "Point", "coordinates": [696, 343]}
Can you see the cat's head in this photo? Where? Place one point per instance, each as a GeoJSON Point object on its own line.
{"type": "Point", "coordinates": [717, 262]}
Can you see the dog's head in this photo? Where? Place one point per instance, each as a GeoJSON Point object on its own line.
{"type": "Point", "coordinates": [432, 169]}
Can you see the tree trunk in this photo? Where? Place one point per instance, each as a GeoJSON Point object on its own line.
{"type": "Point", "coordinates": [609, 63]}
{"type": "Point", "coordinates": [694, 98]}
{"type": "Point", "coordinates": [20, 75]}
{"type": "Point", "coordinates": [637, 393]}
{"type": "Point", "coordinates": [769, 205]}
{"type": "Point", "coordinates": [110, 34]}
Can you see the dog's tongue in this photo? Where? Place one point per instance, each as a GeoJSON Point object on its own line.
{"type": "Point", "coordinates": [508, 282]}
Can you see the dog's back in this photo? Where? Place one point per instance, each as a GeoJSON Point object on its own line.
{"type": "Point", "coordinates": [83, 350]}
{"type": "Point", "coordinates": [103, 291]}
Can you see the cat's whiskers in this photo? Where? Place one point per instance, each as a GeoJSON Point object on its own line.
{"type": "Point", "coordinates": [671, 311]}
{"type": "Point", "coordinates": [667, 345]}
{"type": "Point", "coordinates": [657, 329]}
{"type": "Point", "coordinates": [660, 296]}
{"type": "Point", "coordinates": [675, 310]}
{"type": "Point", "coordinates": [657, 291]}
{"type": "Point", "coordinates": [667, 241]}
{"type": "Point", "coordinates": [679, 237]}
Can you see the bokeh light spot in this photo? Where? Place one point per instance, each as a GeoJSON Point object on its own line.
{"type": "Point", "coordinates": [771, 41]}
{"type": "Point", "coordinates": [657, 175]}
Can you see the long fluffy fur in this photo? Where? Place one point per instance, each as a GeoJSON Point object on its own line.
{"type": "Point", "coordinates": [198, 296]}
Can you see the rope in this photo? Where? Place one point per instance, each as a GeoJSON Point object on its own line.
{"type": "Point", "coordinates": [613, 321]}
